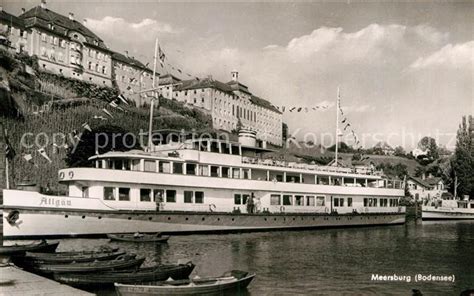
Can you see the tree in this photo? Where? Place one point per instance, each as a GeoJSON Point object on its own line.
{"type": "Point", "coordinates": [343, 148]}
{"type": "Point", "coordinates": [399, 170]}
{"type": "Point", "coordinates": [463, 160]}
{"type": "Point", "coordinates": [429, 144]}
{"type": "Point", "coordinates": [101, 140]}
{"type": "Point", "coordinates": [399, 151]}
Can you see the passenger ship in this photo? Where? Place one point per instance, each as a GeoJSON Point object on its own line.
{"type": "Point", "coordinates": [199, 186]}
{"type": "Point", "coordinates": [457, 209]}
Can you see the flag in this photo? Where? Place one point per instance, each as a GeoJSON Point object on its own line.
{"type": "Point", "coordinates": [115, 105]}
{"type": "Point", "coordinates": [161, 56]}
{"type": "Point", "coordinates": [299, 109]}
{"type": "Point", "coordinates": [131, 79]}
{"type": "Point", "coordinates": [179, 71]}
{"type": "Point", "coordinates": [99, 117]}
{"type": "Point", "coordinates": [344, 120]}
{"type": "Point", "coordinates": [27, 157]}
{"type": "Point", "coordinates": [123, 99]}
{"type": "Point", "coordinates": [107, 112]}
{"type": "Point", "coordinates": [9, 151]}
{"type": "Point", "coordinates": [292, 108]}
{"type": "Point", "coordinates": [283, 108]}
{"type": "Point", "coordinates": [42, 152]}
{"type": "Point", "coordinates": [86, 126]}
{"type": "Point", "coordinates": [347, 125]}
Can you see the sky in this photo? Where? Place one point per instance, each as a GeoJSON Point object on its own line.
{"type": "Point", "coordinates": [405, 69]}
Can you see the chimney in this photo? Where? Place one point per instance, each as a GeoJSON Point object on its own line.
{"type": "Point", "coordinates": [43, 4]}
{"type": "Point", "coordinates": [1, 8]}
{"type": "Point", "coordinates": [23, 10]}
{"type": "Point", "coordinates": [423, 176]}
{"type": "Point", "coordinates": [71, 16]}
{"type": "Point", "coordinates": [84, 22]}
{"type": "Point", "coordinates": [235, 75]}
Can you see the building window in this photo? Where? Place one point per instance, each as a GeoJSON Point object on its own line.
{"type": "Point", "coordinates": [43, 37]}
{"type": "Point", "coordinates": [170, 195]}
{"type": "Point", "coordinates": [188, 197]}
{"type": "Point", "coordinates": [90, 66]}
{"type": "Point", "coordinates": [109, 193]}
{"type": "Point", "coordinates": [145, 194]}
{"type": "Point", "coordinates": [124, 194]}
{"type": "Point", "coordinates": [104, 70]}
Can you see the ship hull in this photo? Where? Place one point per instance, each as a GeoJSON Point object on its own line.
{"type": "Point", "coordinates": [447, 215]}
{"type": "Point", "coordinates": [55, 223]}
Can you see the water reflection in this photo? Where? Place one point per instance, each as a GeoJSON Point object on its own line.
{"type": "Point", "coordinates": [331, 261]}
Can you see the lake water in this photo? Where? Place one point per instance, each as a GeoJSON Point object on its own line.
{"type": "Point", "coordinates": [325, 262]}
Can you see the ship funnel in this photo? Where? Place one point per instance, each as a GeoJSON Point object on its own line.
{"type": "Point", "coordinates": [248, 137]}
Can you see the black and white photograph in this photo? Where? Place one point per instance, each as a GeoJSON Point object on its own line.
{"type": "Point", "coordinates": [236, 147]}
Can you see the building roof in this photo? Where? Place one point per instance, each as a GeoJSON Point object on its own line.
{"type": "Point", "coordinates": [263, 103]}
{"type": "Point", "coordinates": [12, 20]}
{"type": "Point", "coordinates": [427, 182]}
{"type": "Point", "coordinates": [204, 83]}
{"type": "Point", "coordinates": [237, 86]}
{"type": "Point", "coordinates": [168, 79]}
{"type": "Point", "coordinates": [43, 18]}
{"type": "Point", "coordinates": [129, 61]}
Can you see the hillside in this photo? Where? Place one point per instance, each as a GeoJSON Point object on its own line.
{"type": "Point", "coordinates": [43, 108]}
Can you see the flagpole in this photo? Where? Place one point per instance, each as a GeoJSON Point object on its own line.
{"type": "Point", "coordinates": [150, 127]}
{"type": "Point", "coordinates": [337, 125]}
{"type": "Point", "coordinates": [7, 174]}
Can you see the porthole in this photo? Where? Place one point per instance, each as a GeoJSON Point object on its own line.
{"type": "Point", "coordinates": [233, 219]}
{"type": "Point", "coordinates": [83, 217]}
{"type": "Point", "coordinates": [150, 218]}
{"type": "Point", "coordinates": [186, 219]}
{"type": "Point", "coordinates": [203, 218]}
{"type": "Point", "coordinates": [66, 216]}
{"type": "Point", "coordinates": [294, 219]}
{"type": "Point", "coordinates": [100, 217]}
{"type": "Point", "coordinates": [129, 218]}
{"type": "Point", "coordinates": [302, 218]}
{"type": "Point", "coordinates": [218, 219]}
{"type": "Point", "coordinates": [265, 219]}
{"type": "Point", "coordinates": [274, 219]}
{"type": "Point", "coordinates": [314, 219]}
{"type": "Point", "coordinates": [169, 218]}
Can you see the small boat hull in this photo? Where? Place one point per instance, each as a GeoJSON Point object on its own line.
{"type": "Point", "coordinates": [53, 258]}
{"type": "Point", "coordinates": [20, 250]}
{"type": "Point", "coordinates": [211, 286]}
{"type": "Point", "coordinates": [126, 262]}
{"type": "Point", "coordinates": [444, 213]}
{"type": "Point", "coordinates": [147, 274]}
{"type": "Point", "coordinates": [141, 238]}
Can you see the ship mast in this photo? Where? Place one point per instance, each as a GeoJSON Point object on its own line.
{"type": "Point", "coordinates": [150, 126]}
{"type": "Point", "coordinates": [337, 125]}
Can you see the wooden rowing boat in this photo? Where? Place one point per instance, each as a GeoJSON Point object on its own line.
{"type": "Point", "coordinates": [144, 274]}
{"type": "Point", "coordinates": [234, 282]}
{"type": "Point", "coordinates": [139, 237]}
{"type": "Point", "coordinates": [121, 262]}
{"type": "Point", "coordinates": [65, 257]}
{"type": "Point", "coordinates": [20, 250]}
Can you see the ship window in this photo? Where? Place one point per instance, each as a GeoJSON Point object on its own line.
{"type": "Point", "coordinates": [214, 171]}
{"type": "Point", "coordinates": [170, 195]}
{"type": "Point", "coordinates": [349, 201]}
{"type": "Point", "coordinates": [203, 170]}
{"type": "Point", "coordinates": [225, 172]}
{"type": "Point", "coordinates": [275, 200]}
{"type": "Point", "coordinates": [310, 201]}
{"type": "Point", "coordinates": [188, 196]}
{"type": "Point", "coordinates": [145, 194]}
{"type": "Point", "coordinates": [126, 164]}
{"type": "Point", "coordinates": [320, 201]}
{"type": "Point", "coordinates": [292, 179]}
{"type": "Point", "coordinates": [98, 164]}
{"type": "Point", "coordinates": [238, 199]}
{"type": "Point", "coordinates": [118, 164]}
{"type": "Point", "coordinates": [236, 173]}
{"type": "Point", "coordinates": [298, 200]}
{"type": "Point", "coordinates": [150, 166]}
{"type": "Point", "coordinates": [158, 195]}
{"type": "Point", "coordinates": [235, 150]}
{"type": "Point", "coordinates": [124, 193]}
{"type": "Point", "coordinates": [323, 180]}
{"type": "Point", "coordinates": [214, 146]}
{"type": "Point", "coordinates": [110, 164]}
{"type": "Point", "coordinates": [199, 197]}
{"type": "Point", "coordinates": [190, 169]}
{"type": "Point", "coordinates": [287, 200]}
{"type": "Point", "coordinates": [164, 167]}
{"type": "Point", "coordinates": [177, 168]}
{"type": "Point", "coordinates": [85, 191]}
{"type": "Point", "coordinates": [375, 202]}
{"type": "Point", "coordinates": [109, 193]}
{"type": "Point", "coordinates": [366, 202]}
{"type": "Point", "coordinates": [246, 173]}
{"type": "Point", "coordinates": [136, 165]}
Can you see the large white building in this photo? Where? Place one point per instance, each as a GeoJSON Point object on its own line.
{"type": "Point", "coordinates": [228, 103]}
